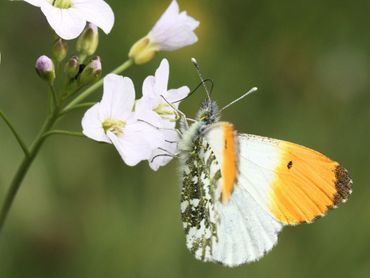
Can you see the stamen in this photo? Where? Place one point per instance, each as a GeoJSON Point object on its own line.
{"type": "Point", "coordinates": [114, 126]}
{"type": "Point", "coordinates": [61, 4]}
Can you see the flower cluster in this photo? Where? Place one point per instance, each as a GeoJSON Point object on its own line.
{"type": "Point", "coordinates": [142, 129]}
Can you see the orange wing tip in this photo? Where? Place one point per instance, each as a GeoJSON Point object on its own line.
{"type": "Point", "coordinates": [343, 185]}
{"type": "Point", "coordinates": [302, 194]}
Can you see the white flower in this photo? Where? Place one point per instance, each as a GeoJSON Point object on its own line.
{"type": "Point", "coordinates": [68, 17]}
{"type": "Point", "coordinates": [154, 107]}
{"type": "Point", "coordinates": [113, 121]}
{"type": "Point", "coordinates": [173, 30]}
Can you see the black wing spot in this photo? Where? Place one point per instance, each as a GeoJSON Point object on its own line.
{"type": "Point", "coordinates": [290, 164]}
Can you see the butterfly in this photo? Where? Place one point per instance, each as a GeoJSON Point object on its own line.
{"type": "Point", "coordinates": [240, 190]}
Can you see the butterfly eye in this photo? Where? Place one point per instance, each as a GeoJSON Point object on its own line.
{"type": "Point", "coordinates": [202, 128]}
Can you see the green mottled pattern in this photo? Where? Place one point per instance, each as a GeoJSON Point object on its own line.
{"type": "Point", "coordinates": [200, 178]}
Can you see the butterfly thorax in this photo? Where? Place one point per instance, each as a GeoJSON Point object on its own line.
{"type": "Point", "coordinates": [207, 115]}
{"type": "Point", "coordinates": [208, 112]}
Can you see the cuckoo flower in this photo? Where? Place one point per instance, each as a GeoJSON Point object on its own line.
{"type": "Point", "coordinates": [173, 30]}
{"type": "Point", "coordinates": [158, 106]}
{"type": "Point", "coordinates": [68, 17]}
{"type": "Point", "coordinates": [113, 121]}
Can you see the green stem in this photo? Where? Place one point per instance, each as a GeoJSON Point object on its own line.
{"type": "Point", "coordinates": [24, 166]}
{"type": "Point", "coordinates": [79, 106]}
{"type": "Point", "coordinates": [15, 133]}
{"type": "Point", "coordinates": [53, 96]}
{"type": "Point", "coordinates": [63, 132]}
{"type": "Point", "coordinates": [96, 86]}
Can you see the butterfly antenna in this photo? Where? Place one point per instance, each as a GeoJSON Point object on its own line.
{"type": "Point", "coordinates": [195, 63]}
{"type": "Point", "coordinates": [254, 89]}
{"type": "Point", "coordinates": [195, 89]}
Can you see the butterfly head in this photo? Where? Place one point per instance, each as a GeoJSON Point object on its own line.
{"type": "Point", "coordinates": [208, 112]}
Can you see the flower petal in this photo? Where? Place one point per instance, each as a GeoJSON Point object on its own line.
{"type": "Point", "coordinates": [92, 126]}
{"type": "Point", "coordinates": [67, 23]}
{"type": "Point", "coordinates": [36, 3]}
{"type": "Point", "coordinates": [161, 77]}
{"type": "Point", "coordinates": [174, 95]}
{"type": "Point", "coordinates": [150, 117]}
{"type": "Point", "coordinates": [134, 145]}
{"type": "Point", "coordinates": [97, 12]}
{"type": "Point", "coordinates": [148, 87]}
{"type": "Point", "coordinates": [167, 17]}
{"type": "Point", "coordinates": [118, 98]}
{"type": "Point", "coordinates": [181, 36]}
{"type": "Point", "coordinates": [154, 87]}
{"type": "Point", "coordinates": [166, 152]}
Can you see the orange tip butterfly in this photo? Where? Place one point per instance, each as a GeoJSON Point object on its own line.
{"type": "Point", "coordinates": [239, 190]}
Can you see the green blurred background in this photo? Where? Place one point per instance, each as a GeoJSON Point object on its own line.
{"type": "Point", "coordinates": [82, 213]}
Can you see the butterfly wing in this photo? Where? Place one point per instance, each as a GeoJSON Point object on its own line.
{"type": "Point", "coordinates": [222, 222]}
{"type": "Point", "coordinates": [239, 191]}
{"type": "Point", "coordinates": [292, 183]}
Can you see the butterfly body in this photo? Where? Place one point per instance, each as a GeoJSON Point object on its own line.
{"type": "Point", "coordinates": [239, 190]}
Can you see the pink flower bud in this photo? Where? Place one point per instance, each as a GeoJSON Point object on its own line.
{"type": "Point", "coordinates": [92, 72]}
{"type": "Point", "coordinates": [45, 68]}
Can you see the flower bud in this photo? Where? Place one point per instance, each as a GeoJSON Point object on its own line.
{"type": "Point", "coordinates": [88, 42]}
{"type": "Point", "coordinates": [45, 68]}
{"type": "Point", "coordinates": [72, 67]}
{"type": "Point", "coordinates": [143, 51]}
{"type": "Point", "coordinates": [59, 50]}
{"type": "Point", "coordinates": [91, 73]}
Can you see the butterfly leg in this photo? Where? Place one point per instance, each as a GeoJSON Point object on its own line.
{"type": "Point", "coordinates": [167, 154]}
{"type": "Point", "coordinates": [179, 113]}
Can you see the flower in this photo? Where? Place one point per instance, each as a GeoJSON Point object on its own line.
{"type": "Point", "coordinates": [113, 121]}
{"type": "Point", "coordinates": [91, 72]}
{"type": "Point", "coordinates": [88, 42]}
{"type": "Point", "coordinates": [68, 17]}
{"type": "Point", "coordinates": [157, 106]}
{"type": "Point", "coordinates": [173, 30]}
{"type": "Point", "coordinates": [45, 68]}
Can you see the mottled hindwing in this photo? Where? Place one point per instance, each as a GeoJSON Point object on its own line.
{"type": "Point", "coordinates": [201, 177]}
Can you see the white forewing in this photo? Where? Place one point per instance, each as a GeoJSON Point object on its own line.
{"type": "Point", "coordinates": [258, 157]}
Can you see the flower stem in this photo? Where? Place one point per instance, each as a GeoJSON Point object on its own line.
{"type": "Point", "coordinates": [78, 106]}
{"type": "Point", "coordinates": [15, 133]}
{"type": "Point", "coordinates": [24, 166]}
{"type": "Point", "coordinates": [96, 86]}
{"type": "Point", "coordinates": [53, 96]}
{"type": "Point", "coordinates": [63, 132]}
